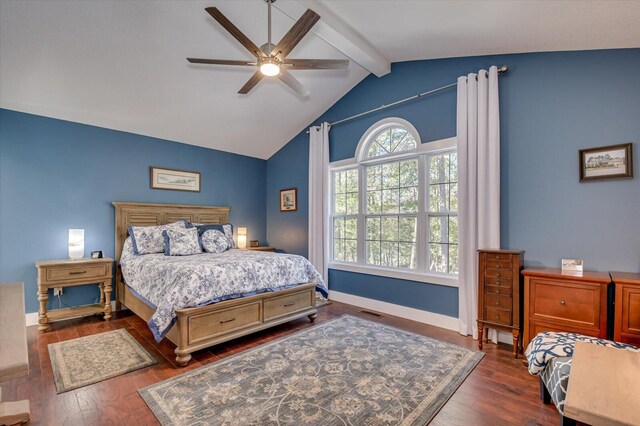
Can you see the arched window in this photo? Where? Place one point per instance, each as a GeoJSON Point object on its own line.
{"type": "Point", "coordinates": [394, 206]}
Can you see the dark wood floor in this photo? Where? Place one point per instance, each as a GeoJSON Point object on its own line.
{"type": "Point", "coordinates": [498, 392]}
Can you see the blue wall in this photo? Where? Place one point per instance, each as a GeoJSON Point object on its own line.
{"type": "Point", "coordinates": [552, 105]}
{"type": "Point", "coordinates": [57, 175]}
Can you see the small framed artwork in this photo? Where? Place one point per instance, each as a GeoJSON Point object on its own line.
{"type": "Point", "coordinates": [606, 162]}
{"type": "Point", "coordinates": [572, 265]}
{"type": "Point", "coordinates": [176, 180]}
{"type": "Point", "coordinates": [97, 254]}
{"type": "Point", "coordinates": [289, 200]}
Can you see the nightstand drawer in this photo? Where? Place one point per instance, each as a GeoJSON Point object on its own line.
{"type": "Point", "coordinates": [498, 273]}
{"type": "Point", "coordinates": [78, 272]}
{"type": "Point", "coordinates": [578, 303]}
{"type": "Point", "coordinates": [491, 289]}
{"type": "Point", "coordinates": [498, 302]}
{"type": "Point", "coordinates": [499, 316]}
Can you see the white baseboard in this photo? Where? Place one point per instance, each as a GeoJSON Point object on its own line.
{"type": "Point", "coordinates": [32, 318]}
{"type": "Point", "coordinates": [425, 317]}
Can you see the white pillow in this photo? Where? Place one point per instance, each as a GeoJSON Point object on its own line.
{"type": "Point", "coordinates": [149, 239]}
{"type": "Point", "coordinates": [181, 242]}
{"type": "Point", "coordinates": [214, 241]}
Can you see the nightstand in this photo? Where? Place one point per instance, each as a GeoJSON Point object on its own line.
{"type": "Point", "coordinates": [69, 273]}
{"type": "Point", "coordinates": [261, 248]}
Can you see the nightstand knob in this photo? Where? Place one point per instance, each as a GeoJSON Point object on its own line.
{"type": "Point", "coordinates": [562, 302]}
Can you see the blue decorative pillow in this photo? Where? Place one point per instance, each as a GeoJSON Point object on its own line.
{"type": "Point", "coordinates": [149, 239]}
{"type": "Point", "coordinates": [214, 241]}
{"type": "Point", "coordinates": [226, 229]}
{"type": "Point", "coordinates": [181, 242]}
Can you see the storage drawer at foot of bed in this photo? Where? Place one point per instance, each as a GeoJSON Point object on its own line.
{"type": "Point", "coordinates": [283, 305]}
{"type": "Point", "coordinates": [212, 324]}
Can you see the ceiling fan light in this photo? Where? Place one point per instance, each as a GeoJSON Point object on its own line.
{"type": "Point", "coordinates": [269, 68]}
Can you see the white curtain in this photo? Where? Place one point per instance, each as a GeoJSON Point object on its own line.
{"type": "Point", "coordinates": [478, 134]}
{"type": "Point", "coordinates": [318, 186]}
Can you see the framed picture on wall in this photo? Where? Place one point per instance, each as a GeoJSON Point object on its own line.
{"type": "Point", "coordinates": [289, 200]}
{"type": "Point", "coordinates": [175, 180]}
{"type": "Point", "coordinates": [606, 162]}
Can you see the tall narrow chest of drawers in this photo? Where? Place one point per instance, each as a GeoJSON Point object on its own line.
{"type": "Point", "coordinates": [565, 302]}
{"type": "Point", "coordinates": [499, 291]}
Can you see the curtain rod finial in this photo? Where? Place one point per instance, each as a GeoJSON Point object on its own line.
{"type": "Point", "coordinates": [503, 69]}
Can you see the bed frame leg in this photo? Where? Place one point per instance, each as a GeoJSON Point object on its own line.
{"type": "Point", "coordinates": [545, 396]}
{"type": "Point", "coordinates": [182, 357]}
{"type": "Point", "coordinates": [312, 317]}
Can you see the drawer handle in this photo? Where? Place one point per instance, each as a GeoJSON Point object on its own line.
{"type": "Point", "coordinates": [562, 302]}
{"type": "Point", "coordinates": [229, 320]}
{"type": "Point", "coordinates": [497, 274]}
{"type": "Point", "coordinates": [497, 316]}
{"type": "Point", "coordinates": [288, 304]}
{"type": "Point", "coordinates": [498, 256]}
{"type": "Point", "coordinates": [77, 272]}
{"type": "Point", "coordinates": [497, 291]}
{"type": "Point", "coordinates": [497, 303]}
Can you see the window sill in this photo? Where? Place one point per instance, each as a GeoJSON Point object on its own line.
{"type": "Point", "coordinates": [396, 273]}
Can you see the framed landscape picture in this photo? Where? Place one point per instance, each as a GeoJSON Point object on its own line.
{"type": "Point", "coordinates": [289, 200]}
{"type": "Point", "coordinates": [176, 180]}
{"type": "Point", "coordinates": [606, 162]}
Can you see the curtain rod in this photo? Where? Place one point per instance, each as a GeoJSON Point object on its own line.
{"type": "Point", "coordinates": [503, 69]}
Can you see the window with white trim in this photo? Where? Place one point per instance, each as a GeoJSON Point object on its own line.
{"type": "Point", "coordinates": [394, 206]}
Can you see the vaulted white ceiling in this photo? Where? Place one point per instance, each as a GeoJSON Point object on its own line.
{"type": "Point", "coordinates": [121, 64]}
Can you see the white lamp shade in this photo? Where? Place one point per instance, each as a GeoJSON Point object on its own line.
{"type": "Point", "coordinates": [76, 243]}
{"type": "Point", "coordinates": [242, 237]}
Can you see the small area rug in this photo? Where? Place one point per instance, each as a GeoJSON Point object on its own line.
{"type": "Point", "coordinates": [348, 371]}
{"type": "Point", "coordinates": [92, 359]}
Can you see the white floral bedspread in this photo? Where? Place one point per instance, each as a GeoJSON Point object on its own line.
{"type": "Point", "coordinates": [169, 283]}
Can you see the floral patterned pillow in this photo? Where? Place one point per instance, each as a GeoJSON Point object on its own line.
{"type": "Point", "coordinates": [181, 242]}
{"type": "Point", "coordinates": [149, 239]}
{"type": "Point", "coordinates": [227, 229]}
{"type": "Point", "coordinates": [214, 241]}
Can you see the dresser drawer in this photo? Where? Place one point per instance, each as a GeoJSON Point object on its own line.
{"type": "Point", "coordinates": [212, 324]}
{"type": "Point", "coordinates": [492, 289]}
{"type": "Point", "coordinates": [283, 305]}
{"type": "Point", "coordinates": [577, 304]}
{"type": "Point", "coordinates": [497, 256]}
{"type": "Point", "coordinates": [498, 264]}
{"type": "Point", "coordinates": [498, 273]}
{"type": "Point", "coordinates": [499, 316]}
{"type": "Point", "coordinates": [498, 302]}
{"type": "Point", "coordinates": [501, 282]}
{"type": "Point", "coordinates": [83, 272]}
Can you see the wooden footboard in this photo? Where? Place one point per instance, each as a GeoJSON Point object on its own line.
{"type": "Point", "coordinates": [201, 327]}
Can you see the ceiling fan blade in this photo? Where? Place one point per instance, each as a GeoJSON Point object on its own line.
{"type": "Point", "coordinates": [295, 34]}
{"type": "Point", "coordinates": [316, 64]}
{"type": "Point", "coordinates": [288, 79]}
{"type": "Point", "coordinates": [219, 62]}
{"type": "Point", "coordinates": [255, 79]}
{"type": "Point", "coordinates": [235, 32]}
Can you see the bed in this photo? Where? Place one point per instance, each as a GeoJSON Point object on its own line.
{"type": "Point", "coordinates": [198, 327]}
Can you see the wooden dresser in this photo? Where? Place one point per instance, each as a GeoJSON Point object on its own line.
{"type": "Point", "coordinates": [626, 327]}
{"type": "Point", "coordinates": [499, 290]}
{"type": "Point", "coordinates": [569, 301]}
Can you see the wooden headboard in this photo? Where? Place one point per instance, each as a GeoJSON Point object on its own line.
{"type": "Point", "coordinates": [143, 214]}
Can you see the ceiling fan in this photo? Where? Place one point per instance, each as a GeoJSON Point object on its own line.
{"type": "Point", "coordinates": [271, 60]}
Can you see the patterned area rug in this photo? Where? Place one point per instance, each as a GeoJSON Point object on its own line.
{"type": "Point", "coordinates": [92, 359]}
{"type": "Point", "coordinates": [348, 371]}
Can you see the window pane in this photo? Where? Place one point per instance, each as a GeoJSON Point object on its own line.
{"type": "Point", "coordinates": [409, 173]}
{"type": "Point", "coordinates": [391, 175]}
{"type": "Point", "coordinates": [350, 250]}
{"type": "Point", "coordinates": [374, 202]}
{"type": "Point", "coordinates": [352, 203]}
{"type": "Point", "coordinates": [406, 144]}
{"type": "Point", "coordinates": [338, 228]}
{"type": "Point", "coordinates": [340, 204]}
{"type": "Point", "coordinates": [397, 135]}
{"type": "Point", "coordinates": [338, 249]}
{"type": "Point", "coordinates": [373, 228]}
{"type": "Point", "coordinates": [407, 229]}
{"type": "Point", "coordinates": [438, 261]}
{"type": "Point", "coordinates": [390, 202]}
{"type": "Point", "coordinates": [389, 228]}
{"type": "Point", "coordinates": [352, 180]}
{"type": "Point", "coordinates": [453, 229]}
{"type": "Point", "coordinates": [374, 177]}
{"type": "Point", "coordinates": [389, 253]}
{"type": "Point", "coordinates": [453, 258]}
{"type": "Point", "coordinates": [384, 140]}
{"type": "Point", "coordinates": [437, 169]}
{"type": "Point", "coordinates": [453, 167]}
{"type": "Point", "coordinates": [438, 198]}
{"type": "Point", "coordinates": [339, 182]}
{"type": "Point", "coordinates": [437, 229]}
{"type": "Point", "coordinates": [373, 252]}
{"type": "Point", "coordinates": [351, 228]}
{"type": "Point", "coordinates": [409, 200]}
{"type": "Point", "coordinates": [407, 256]}
{"type": "Point", "coordinates": [453, 197]}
